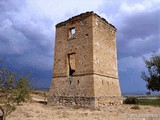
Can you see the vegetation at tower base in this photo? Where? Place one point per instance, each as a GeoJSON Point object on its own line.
{"type": "Point", "coordinates": [131, 100]}
{"type": "Point", "coordinates": [152, 77]}
{"type": "Point", "coordinates": [14, 89]}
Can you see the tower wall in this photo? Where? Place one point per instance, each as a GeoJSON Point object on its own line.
{"type": "Point", "coordinates": [104, 48]}
{"type": "Point", "coordinates": [85, 63]}
{"type": "Point", "coordinates": [106, 84]}
{"type": "Point", "coordinates": [80, 44]}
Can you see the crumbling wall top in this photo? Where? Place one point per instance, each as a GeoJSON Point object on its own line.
{"type": "Point", "coordinates": [81, 17]}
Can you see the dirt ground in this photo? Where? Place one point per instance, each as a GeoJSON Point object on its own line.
{"type": "Point", "coordinates": [39, 111]}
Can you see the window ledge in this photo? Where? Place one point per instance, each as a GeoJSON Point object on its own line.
{"type": "Point", "coordinates": [71, 38]}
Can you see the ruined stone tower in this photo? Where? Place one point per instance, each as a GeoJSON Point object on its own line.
{"type": "Point", "coordinates": [85, 63]}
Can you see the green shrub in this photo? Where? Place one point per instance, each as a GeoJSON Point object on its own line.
{"type": "Point", "coordinates": [131, 100]}
{"type": "Point", "coordinates": [22, 89]}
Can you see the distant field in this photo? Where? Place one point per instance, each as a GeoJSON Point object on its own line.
{"type": "Point", "coordinates": [145, 99]}
{"type": "Point", "coordinates": [155, 102]}
{"type": "Point", "coordinates": [142, 96]}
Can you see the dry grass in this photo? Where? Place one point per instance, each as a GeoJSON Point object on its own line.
{"type": "Point", "coordinates": [37, 111]}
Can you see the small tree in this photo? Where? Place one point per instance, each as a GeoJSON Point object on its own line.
{"type": "Point", "coordinates": [22, 89]}
{"type": "Point", "coordinates": [13, 89]}
{"type": "Point", "coordinates": [152, 77]}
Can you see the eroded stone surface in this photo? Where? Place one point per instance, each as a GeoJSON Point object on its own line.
{"type": "Point", "coordinates": [85, 63]}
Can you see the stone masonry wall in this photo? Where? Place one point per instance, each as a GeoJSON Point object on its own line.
{"type": "Point", "coordinates": [80, 44]}
{"type": "Point", "coordinates": [93, 48]}
{"type": "Point", "coordinates": [105, 86]}
{"type": "Point", "coordinates": [105, 59]}
{"type": "Point", "coordinates": [73, 86]}
{"type": "Point", "coordinates": [104, 48]}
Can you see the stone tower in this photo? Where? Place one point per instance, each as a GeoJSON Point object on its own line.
{"type": "Point", "coordinates": [85, 63]}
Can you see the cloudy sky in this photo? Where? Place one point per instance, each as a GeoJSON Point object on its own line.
{"type": "Point", "coordinates": [27, 34]}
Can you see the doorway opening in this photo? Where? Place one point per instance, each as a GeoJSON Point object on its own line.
{"type": "Point", "coordinates": [71, 64]}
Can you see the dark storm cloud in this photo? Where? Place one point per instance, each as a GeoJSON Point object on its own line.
{"type": "Point", "coordinates": [138, 25]}
{"type": "Point", "coordinates": [40, 39]}
{"type": "Point", "coordinates": [138, 29]}
{"type": "Point", "coordinates": [27, 32]}
{"type": "Point", "coordinates": [25, 36]}
{"type": "Point", "coordinates": [11, 41]}
{"type": "Point", "coordinates": [141, 25]}
{"type": "Point", "coordinates": [140, 34]}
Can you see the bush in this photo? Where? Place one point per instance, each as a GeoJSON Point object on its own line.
{"type": "Point", "coordinates": [13, 89]}
{"type": "Point", "coordinates": [131, 100]}
{"type": "Point", "coordinates": [22, 89]}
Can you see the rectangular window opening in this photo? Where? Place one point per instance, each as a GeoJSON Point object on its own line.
{"type": "Point", "coordinates": [71, 64]}
{"type": "Point", "coordinates": [72, 32]}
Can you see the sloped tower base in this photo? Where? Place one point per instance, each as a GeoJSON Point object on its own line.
{"type": "Point", "coordinates": [73, 91]}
